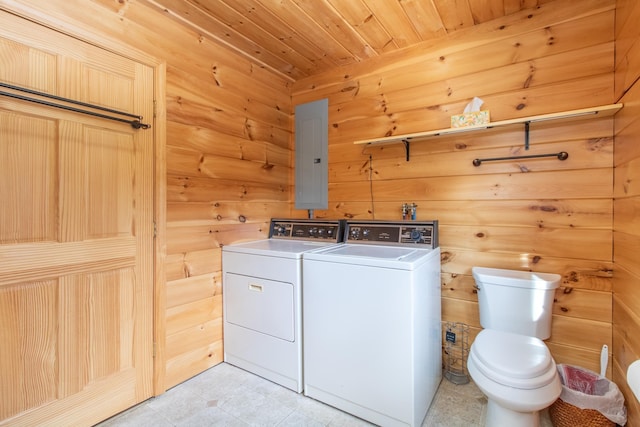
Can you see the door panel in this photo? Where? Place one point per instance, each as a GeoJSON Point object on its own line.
{"type": "Point", "coordinates": [29, 145]}
{"type": "Point", "coordinates": [111, 182]}
{"type": "Point", "coordinates": [76, 233]}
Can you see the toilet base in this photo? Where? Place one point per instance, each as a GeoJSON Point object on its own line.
{"type": "Point", "coordinates": [498, 416]}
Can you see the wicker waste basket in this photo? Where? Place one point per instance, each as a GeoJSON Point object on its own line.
{"type": "Point", "coordinates": [587, 400]}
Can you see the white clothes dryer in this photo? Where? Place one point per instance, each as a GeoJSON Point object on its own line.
{"type": "Point", "coordinates": [262, 298]}
{"type": "Point", "coordinates": [371, 322]}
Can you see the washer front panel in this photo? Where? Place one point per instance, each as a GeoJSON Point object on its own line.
{"type": "Point", "coordinates": [413, 233]}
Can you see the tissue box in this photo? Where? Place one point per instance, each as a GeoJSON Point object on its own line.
{"type": "Point", "coordinates": [470, 119]}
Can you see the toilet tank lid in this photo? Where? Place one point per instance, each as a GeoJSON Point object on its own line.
{"type": "Point", "coordinates": [516, 278]}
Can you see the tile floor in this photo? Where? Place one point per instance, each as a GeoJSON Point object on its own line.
{"type": "Point", "coordinates": [228, 396]}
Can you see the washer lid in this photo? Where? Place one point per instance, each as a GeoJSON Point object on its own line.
{"type": "Point", "coordinates": [513, 360]}
{"type": "Point", "coordinates": [394, 257]}
{"type": "Point", "coordinates": [370, 251]}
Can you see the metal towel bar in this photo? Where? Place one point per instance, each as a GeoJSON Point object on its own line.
{"type": "Point", "coordinates": [563, 155]}
{"type": "Point", "coordinates": [136, 123]}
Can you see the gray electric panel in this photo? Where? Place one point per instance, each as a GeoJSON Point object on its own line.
{"type": "Point", "coordinates": [312, 169]}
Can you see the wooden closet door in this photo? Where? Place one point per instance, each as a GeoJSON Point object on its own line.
{"type": "Point", "coordinates": [76, 233]}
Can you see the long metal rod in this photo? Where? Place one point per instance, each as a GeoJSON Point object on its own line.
{"type": "Point", "coordinates": [136, 123]}
{"type": "Point", "coordinates": [563, 155]}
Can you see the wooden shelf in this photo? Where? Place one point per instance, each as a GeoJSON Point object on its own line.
{"type": "Point", "coordinates": [601, 111]}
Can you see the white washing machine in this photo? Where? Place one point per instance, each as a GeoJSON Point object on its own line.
{"type": "Point", "coordinates": [371, 322]}
{"type": "Point", "coordinates": [262, 298]}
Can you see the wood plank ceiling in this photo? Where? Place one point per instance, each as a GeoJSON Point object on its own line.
{"type": "Point", "coordinates": [299, 38]}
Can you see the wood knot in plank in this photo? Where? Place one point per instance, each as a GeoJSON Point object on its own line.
{"type": "Point", "coordinates": [543, 208]}
{"type": "Point", "coordinates": [214, 71]}
{"type": "Point", "coordinates": [571, 277]}
{"type": "Point", "coordinates": [446, 256]}
{"type": "Point", "coordinates": [349, 88]}
{"type": "Point", "coordinates": [597, 144]}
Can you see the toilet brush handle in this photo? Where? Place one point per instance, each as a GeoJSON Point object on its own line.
{"type": "Point", "coordinates": [604, 360]}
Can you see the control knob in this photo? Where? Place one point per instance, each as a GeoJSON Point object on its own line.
{"type": "Point", "coordinates": [416, 235]}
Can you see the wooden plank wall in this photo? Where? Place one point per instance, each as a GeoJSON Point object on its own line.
{"type": "Point", "coordinates": [626, 219]}
{"type": "Point", "coordinates": [541, 215]}
{"type": "Point", "coordinates": [229, 162]}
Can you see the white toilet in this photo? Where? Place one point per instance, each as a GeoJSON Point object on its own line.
{"type": "Point", "coordinates": [508, 360]}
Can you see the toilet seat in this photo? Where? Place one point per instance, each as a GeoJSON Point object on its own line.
{"type": "Point", "coordinates": [513, 360]}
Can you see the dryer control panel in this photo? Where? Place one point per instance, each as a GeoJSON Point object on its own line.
{"type": "Point", "coordinates": [423, 233]}
{"type": "Point", "coordinates": [307, 229]}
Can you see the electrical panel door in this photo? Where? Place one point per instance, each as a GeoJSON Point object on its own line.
{"type": "Point", "coordinates": [312, 172]}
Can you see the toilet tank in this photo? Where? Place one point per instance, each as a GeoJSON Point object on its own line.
{"type": "Point", "coordinates": [516, 301]}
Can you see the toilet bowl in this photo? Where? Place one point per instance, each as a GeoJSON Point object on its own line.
{"type": "Point", "coordinates": [516, 373]}
{"type": "Point", "coordinates": [508, 360]}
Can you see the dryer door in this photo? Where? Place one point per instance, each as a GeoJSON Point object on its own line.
{"type": "Point", "coordinates": [262, 305]}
